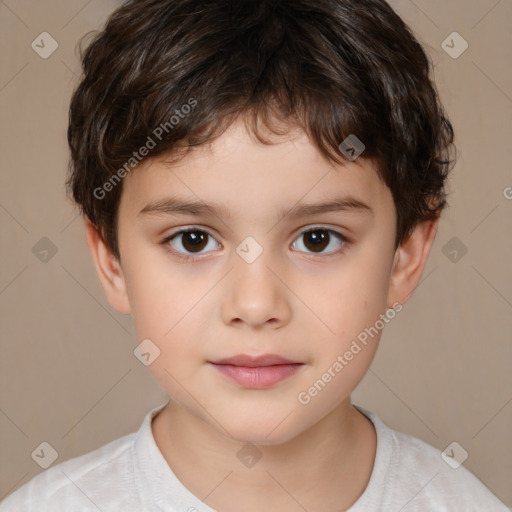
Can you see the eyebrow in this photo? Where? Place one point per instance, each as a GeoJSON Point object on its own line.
{"type": "Point", "coordinates": [176, 206]}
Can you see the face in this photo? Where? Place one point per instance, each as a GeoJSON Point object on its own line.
{"type": "Point", "coordinates": [261, 274]}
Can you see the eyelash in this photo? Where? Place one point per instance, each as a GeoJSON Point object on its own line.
{"type": "Point", "coordinates": [188, 257]}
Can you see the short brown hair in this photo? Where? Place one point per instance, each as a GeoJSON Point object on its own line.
{"type": "Point", "coordinates": [331, 67]}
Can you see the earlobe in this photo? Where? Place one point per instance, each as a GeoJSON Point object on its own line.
{"type": "Point", "coordinates": [108, 268]}
{"type": "Point", "coordinates": [409, 262]}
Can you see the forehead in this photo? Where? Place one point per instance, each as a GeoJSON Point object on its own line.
{"type": "Point", "coordinates": [241, 174]}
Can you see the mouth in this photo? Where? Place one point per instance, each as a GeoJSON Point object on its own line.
{"type": "Point", "coordinates": [256, 372]}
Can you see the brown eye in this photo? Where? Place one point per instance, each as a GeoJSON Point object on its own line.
{"type": "Point", "coordinates": [318, 239]}
{"type": "Point", "coordinates": [192, 241]}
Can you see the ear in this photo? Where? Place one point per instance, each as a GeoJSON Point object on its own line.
{"type": "Point", "coordinates": [409, 262]}
{"type": "Point", "coordinates": [108, 268]}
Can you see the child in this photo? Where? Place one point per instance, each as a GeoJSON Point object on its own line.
{"type": "Point", "coordinates": [261, 182]}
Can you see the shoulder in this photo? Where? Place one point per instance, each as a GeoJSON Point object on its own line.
{"type": "Point", "coordinates": [419, 477]}
{"type": "Point", "coordinates": [78, 484]}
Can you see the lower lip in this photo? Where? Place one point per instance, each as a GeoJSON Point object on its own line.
{"type": "Point", "coordinates": [258, 377]}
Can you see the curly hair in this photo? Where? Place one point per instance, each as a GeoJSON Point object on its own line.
{"type": "Point", "coordinates": [333, 68]}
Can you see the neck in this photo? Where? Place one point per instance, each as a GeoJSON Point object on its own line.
{"type": "Point", "coordinates": [326, 467]}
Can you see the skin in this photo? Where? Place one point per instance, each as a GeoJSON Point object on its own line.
{"type": "Point", "coordinates": [303, 305]}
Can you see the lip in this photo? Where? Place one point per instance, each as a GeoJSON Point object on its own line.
{"type": "Point", "coordinates": [256, 372]}
{"type": "Point", "coordinates": [254, 361]}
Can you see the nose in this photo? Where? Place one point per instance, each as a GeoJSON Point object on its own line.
{"type": "Point", "coordinates": [256, 294]}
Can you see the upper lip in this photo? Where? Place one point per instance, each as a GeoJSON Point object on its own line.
{"type": "Point", "coordinates": [254, 361]}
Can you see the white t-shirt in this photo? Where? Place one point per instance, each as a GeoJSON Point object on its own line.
{"type": "Point", "coordinates": [130, 474]}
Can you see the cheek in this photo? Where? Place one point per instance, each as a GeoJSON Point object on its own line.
{"type": "Point", "coordinates": [351, 306]}
{"type": "Point", "coordinates": [161, 293]}
{"type": "Point", "coordinates": [353, 297]}
{"type": "Point", "coordinates": [169, 311]}
{"type": "Point", "coordinates": [169, 315]}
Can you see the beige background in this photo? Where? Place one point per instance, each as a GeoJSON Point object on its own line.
{"type": "Point", "coordinates": [68, 373]}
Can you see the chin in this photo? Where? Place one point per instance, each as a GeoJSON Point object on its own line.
{"type": "Point", "coordinates": [259, 431]}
